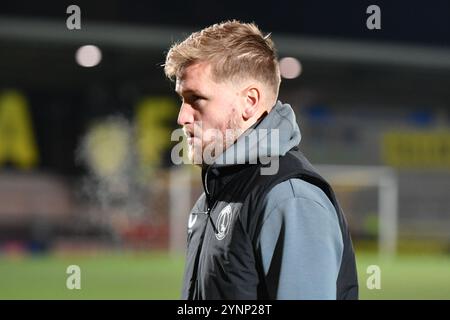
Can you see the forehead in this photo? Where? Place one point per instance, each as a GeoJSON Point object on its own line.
{"type": "Point", "coordinates": [196, 76]}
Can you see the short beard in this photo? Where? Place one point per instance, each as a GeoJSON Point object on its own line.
{"type": "Point", "coordinates": [207, 152]}
{"type": "Point", "coordinates": [233, 132]}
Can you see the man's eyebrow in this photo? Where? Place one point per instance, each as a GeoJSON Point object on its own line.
{"type": "Point", "coordinates": [189, 91]}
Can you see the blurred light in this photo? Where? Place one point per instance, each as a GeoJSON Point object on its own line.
{"type": "Point", "coordinates": [88, 56]}
{"type": "Point", "coordinates": [319, 113]}
{"type": "Point", "coordinates": [106, 147]}
{"type": "Point", "coordinates": [290, 68]}
{"type": "Point", "coordinates": [421, 118]}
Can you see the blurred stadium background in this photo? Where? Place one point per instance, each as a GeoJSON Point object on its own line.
{"type": "Point", "coordinates": [85, 170]}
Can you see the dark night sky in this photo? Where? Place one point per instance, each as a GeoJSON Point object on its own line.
{"type": "Point", "coordinates": [413, 21]}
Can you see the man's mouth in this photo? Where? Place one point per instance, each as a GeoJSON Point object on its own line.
{"type": "Point", "coordinates": [190, 137]}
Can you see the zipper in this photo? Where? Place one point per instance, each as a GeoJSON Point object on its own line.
{"type": "Point", "coordinates": [195, 289]}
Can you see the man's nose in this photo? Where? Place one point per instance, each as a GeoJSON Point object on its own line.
{"type": "Point", "coordinates": [186, 115]}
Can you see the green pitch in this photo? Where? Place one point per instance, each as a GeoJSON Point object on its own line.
{"type": "Point", "coordinates": [158, 276]}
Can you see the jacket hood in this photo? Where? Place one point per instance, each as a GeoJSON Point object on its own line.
{"type": "Point", "coordinates": [273, 136]}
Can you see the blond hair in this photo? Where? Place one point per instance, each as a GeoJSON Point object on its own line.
{"type": "Point", "coordinates": [235, 50]}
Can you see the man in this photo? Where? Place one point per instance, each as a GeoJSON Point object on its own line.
{"type": "Point", "coordinates": [267, 226]}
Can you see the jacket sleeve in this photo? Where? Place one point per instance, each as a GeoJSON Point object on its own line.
{"type": "Point", "coordinates": [300, 242]}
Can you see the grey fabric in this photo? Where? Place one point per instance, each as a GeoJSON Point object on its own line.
{"type": "Point", "coordinates": [251, 144]}
{"type": "Point", "coordinates": [301, 217]}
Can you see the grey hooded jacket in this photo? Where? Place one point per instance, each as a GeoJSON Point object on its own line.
{"type": "Point", "coordinates": [297, 211]}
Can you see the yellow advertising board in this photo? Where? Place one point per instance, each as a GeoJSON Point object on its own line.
{"type": "Point", "coordinates": [416, 149]}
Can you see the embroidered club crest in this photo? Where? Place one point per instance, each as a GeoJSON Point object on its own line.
{"type": "Point", "coordinates": [224, 222]}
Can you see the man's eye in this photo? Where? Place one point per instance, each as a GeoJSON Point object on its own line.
{"type": "Point", "coordinates": [191, 99]}
{"type": "Point", "coordinates": [196, 99]}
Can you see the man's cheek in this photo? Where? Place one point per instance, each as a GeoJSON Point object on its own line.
{"type": "Point", "coordinates": [210, 135]}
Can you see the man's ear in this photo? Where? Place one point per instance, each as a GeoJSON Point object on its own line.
{"type": "Point", "coordinates": [251, 104]}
